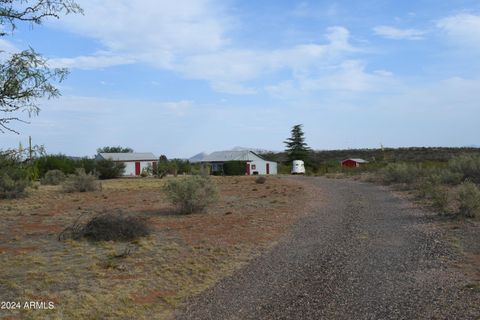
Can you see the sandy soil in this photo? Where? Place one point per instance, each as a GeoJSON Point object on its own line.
{"type": "Point", "coordinates": [184, 255]}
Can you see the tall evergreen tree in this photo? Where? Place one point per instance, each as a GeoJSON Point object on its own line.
{"type": "Point", "coordinates": [296, 147]}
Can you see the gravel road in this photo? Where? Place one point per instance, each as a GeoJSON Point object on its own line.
{"type": "Point", "coordinates": [362, 253]}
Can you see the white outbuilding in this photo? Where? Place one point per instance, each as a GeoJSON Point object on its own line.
{"type": "Point", "coordinates": [254, 163]}
{"type": "Point", "coordinates": [134, 162]}
{"type": "Point", "coordinates": [298, 167]}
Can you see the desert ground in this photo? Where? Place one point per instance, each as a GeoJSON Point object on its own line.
{"type": "Point", "coordinates": [184, 255]}
{"type": "Point", "coordinates": [291, 248]}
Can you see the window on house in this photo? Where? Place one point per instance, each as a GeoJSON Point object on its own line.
{"type": "Point", "coordinates": [254, 167]}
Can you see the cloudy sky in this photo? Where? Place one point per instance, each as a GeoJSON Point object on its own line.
{"type": "Point", "coordinates": [185, 76]}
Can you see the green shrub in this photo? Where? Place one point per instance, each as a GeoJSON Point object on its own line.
{"type": "Point", "coordinates": [450, 177]}
{"type": "Point", "coordinates": [469, 197]}
{"type": "Point", "coordinates": [191, 194]}
{"type": "Point", "coordinates": [399, 173]}
{"type": "Point", "coordinates": [81, 182]}
{"type": "Point", "coordinates": [467, 165]}
{"type": "Point", "coordinates": [53, 178]}
{"type": "Point", "coordinates": [63, 163]}
{"type": "Point", "coordinates": [55, 162]}
{"type": "Point", "coordinates": [179, 166]}
{"type": "Point", "coordinates": [14, 177]}
{"type": "Point", "coordinates": [284, 168]}
{"type": "Point", "coordinates": [145, 172]}
{"type": "Point", "coordinates": [108, 169]}
{"type": "Point", "coordinates": [439, 195]}
{"type": "Point", "coordinates": [234, 168]}
{"type": "Point", "coordinates": [87, 164]}
{"type": "Point", "coordinates": [163, 166]}
{"type": "Point", "coordinates": [426, 186]}
{"type": "Point", "coordinates": [12, 186]}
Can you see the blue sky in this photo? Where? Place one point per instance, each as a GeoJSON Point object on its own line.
{"type": "Point", "coordinates": [181, 77]}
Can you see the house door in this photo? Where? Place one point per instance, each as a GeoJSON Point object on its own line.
{"type": "Point", "coordinates": [268, 168]}
{"type": "Point", "coordinates": [248, 169]}
{"type": "Point", "coordinates": [137, 168]}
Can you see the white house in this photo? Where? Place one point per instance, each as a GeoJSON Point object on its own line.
{"type": "Point", "coordinates": [134, 162]}
{"type": "Point", "coordinates": [254, 164]}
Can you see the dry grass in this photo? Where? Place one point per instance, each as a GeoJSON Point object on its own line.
{"type": "Point", "coordinates": [183, 256]}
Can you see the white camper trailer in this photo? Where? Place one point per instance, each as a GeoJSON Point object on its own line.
{"type": "Point", "coordinates": [298, 167]}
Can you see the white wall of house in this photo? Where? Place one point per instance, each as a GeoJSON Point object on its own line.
{"type": "Point", "coordinates": [130, 167]}
{"type": "Point", "coordinates": [260, 166]}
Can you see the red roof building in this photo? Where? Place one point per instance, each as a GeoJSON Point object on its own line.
{"type": "Point", "coordinates": [353, 163]}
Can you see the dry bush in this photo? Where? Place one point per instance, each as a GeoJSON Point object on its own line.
{"type": "Point", "coordinates": [427, 186]}
{"type": "Point", "coordinates": [53, 177]}
{"type": "Point", "coordinates": [469, 197]}
{"type": "Point", "coordinates": [107, 227]}
{"type": "Point", "coordinates": [261, 180]}
{"type": "Point", "coordinates": [12, 187]}
{"type": "Point", "coordinates": [114, 227]}
{"type": "Point", "coordinates": [399, 173]}
{"type": "Point", "coordinates": [81, 182]}
{"type": "Point", "coordinates": [439, 196]}
{"type": "Point", "coordinates": [467, 165]}
{"type": "Point", "coordinates": [191, 194]}
{"type": "Point", "coordinates": [450, 177]}
{"type": "Point", "coordinates": [15, 176]}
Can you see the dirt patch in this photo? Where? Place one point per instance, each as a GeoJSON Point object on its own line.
{"type": "Point", "coordinates": [184, 255]}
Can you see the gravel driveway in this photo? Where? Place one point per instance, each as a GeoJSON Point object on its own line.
{"type": "Point", "coordinates": [361, 254]}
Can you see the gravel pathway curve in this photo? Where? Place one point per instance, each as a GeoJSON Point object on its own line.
{"type": "Point", "coordinates": [361, 254]}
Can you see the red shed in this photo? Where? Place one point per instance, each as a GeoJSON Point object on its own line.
{"type": "Point", "coordinates": [353, 163]}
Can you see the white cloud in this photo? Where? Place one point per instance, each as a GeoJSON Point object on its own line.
{"type": "Point", "coordinates": [90, 62]}
{"type": "Point", "coordinates": [151, 30]}
{"type": "Point", "coordinates": [188, 37]}
{"type": "Point", "coordinates": [308, 10]}
{"type": "Point", "coordinates": [462, 29]}
{"type": "Point", "coordinates": [228, 69]}
{"type": "Point", "coordinates": [351, 76]}
{"type": "Point", "coordinates": [399, 34]}
{"type": "Point", "coordinates": [347, 76]}
{"type": "Point", "coordinates": [98, 106]}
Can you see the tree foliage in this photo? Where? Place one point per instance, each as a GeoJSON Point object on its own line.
{"type": "Point", "coordinates": [234, 168]}
{"type": "Point", "coordinates": [108, 169]}
{"type": "Point", "coordinates": [14, 176]}
{"type": "Point", "coordinates": [296, 147]}
{"type": "Point", "coordinates": [117, 149]}
{"type": "Point", "coordinates": [172, 166]}
{"type": "Point", "coordinates": [12, 12]}
{"type": "Point", "coordinates": [25, 76]}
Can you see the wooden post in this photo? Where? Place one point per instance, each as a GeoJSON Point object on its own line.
{"type": "Point", "coordinates": [30, 148]}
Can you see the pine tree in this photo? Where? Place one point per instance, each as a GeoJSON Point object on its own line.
{"type": "Point", "coordinates": [296, 147]}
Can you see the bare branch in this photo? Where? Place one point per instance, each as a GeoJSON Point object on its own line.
{"type": "Point", "coordinates": [34, 11]}
{"type": "Point", "coordinates": [25, 76]}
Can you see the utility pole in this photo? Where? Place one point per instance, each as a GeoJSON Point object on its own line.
{"type": "Point", "coordinates": [29, 148]}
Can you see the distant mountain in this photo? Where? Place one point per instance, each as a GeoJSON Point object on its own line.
{"type": "Point", "coordinates": [198, 157]}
